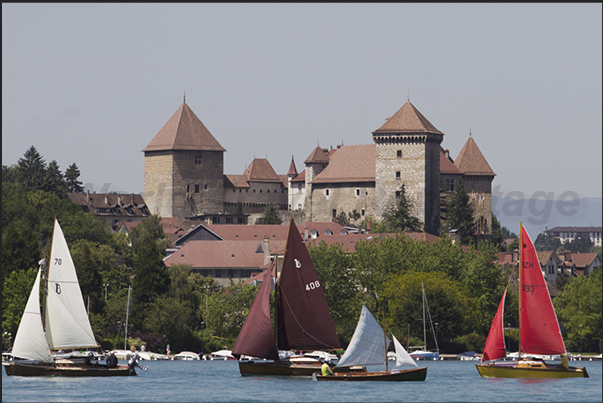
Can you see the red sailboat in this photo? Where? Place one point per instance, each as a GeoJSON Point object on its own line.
{"type": "Point", "coordinates": [303, 318]}
{"type": "Point", "coordinates": [539, 332]}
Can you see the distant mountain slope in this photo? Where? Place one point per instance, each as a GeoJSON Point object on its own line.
{"type": "Point", "coordinates": [538, 214]}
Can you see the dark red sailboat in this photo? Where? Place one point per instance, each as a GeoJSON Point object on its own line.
{"type": "Point", "coordinates": [303, 321]}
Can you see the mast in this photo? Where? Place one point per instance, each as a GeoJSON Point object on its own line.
{"type": "Point", "coordinates": [127, 314]}
{"type": "Point", "coordinates": [385, 341]}
{"type": "Point", "coordinates": [520, 292]}
{"type": "Point", "coordinates": [45, 271]}
{"type": "Point", "coordinates": [424, 331]}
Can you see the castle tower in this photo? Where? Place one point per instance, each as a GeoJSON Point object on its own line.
{"type": "Point", "coordinates": [183, 168]}
{"type": "Point", "coordinates": [291, 174]}
{"type": "Point", "coordinates": [478, 177]}
{"type": "Point", "coordinates": [315, 163]}
{"type": "Point", "coordinates": [408, 152]}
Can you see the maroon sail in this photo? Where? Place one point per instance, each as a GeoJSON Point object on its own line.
{"type": "Point", "coordinates": [304, 320]}
{"type": "Point", "coordinates": [256, 338]}
{"type": "Point", "coordinates": [495, 343]}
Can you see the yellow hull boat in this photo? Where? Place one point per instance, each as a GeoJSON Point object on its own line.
{"type": "Point", "coordinates": [529, 369]}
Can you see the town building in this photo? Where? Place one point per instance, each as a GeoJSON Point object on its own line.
{"type": "Point", "coordinates": [112, 208]}
{"type": "Point", "coordinates": [569, 234]}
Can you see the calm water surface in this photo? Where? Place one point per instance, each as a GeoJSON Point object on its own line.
{"type": "Point", "coordinates": [220, 381]}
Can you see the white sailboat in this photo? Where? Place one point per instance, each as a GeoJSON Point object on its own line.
{"type": "Point", "coordinates": [422, 353]}
{"type": "Point", "coordinates": [66, 325]}
{"type": "Point", "coordinates": [368, 347]}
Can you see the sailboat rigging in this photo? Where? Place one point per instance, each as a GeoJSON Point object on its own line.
{"type": "Point", "coordinates": [539, 332]}
{"type": "Point", "coordinates": [423, 353]}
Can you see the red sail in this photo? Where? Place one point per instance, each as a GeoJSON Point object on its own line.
{"type": "Point", "coordinates": [539, 329]}
{"type": "Point", "coordinates": [304, 319]}
{"type": "Point", "coordinates": [495, 343]}
{"type": "Point", "coordinates": [256, 338]}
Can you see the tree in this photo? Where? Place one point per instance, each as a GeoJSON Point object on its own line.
{"type": "Point", "coordinates": [342, 219]}
{"type": "Point", "coordinates": [239, 209]}
{"type": "Point", "coordinates": [270, 216]}
{"type": "Point", "coordinates": [149, 228]}
{"type": "Point", "coordinates": [497, 234]}
{"type": "Point", "coordinates": [460, 215]}
{"type": "Point", "coordinates": [546, 241]}
{"type": "Point", "coordinates": [579, 310]}
{"type": "Point", "coordinates": [400, 218]}
{"type": "Point", "coordinates": [32, 170]}
{"type": "Point", "coordinates": [581, 244]}
{"type": "Point", "coordinates": [71, 179]}
{"type": "Point", "coordinates": [54, 182]}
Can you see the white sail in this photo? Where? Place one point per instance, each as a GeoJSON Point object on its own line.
{"type": "Point", "coordinates": [67, 323]}
{"type": "Point", "coordinates": [402, 357]}
{"type": "Point", "coordinates": [30, 341]}
{"type": "Point", "coordinates": [367, 345]}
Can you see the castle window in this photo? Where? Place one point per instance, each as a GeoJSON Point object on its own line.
{"type": "Point", "coordinates": [196, 188]}
{"type": "Point", "coordinates": [197, 160]}
{"type": "Point", "coordinates": [334, 213]}
{"type": "Point", "coordinates": [398, 175]}
{"type": "Point", "coordinates": [398, 193]}
{"type": "Point", "coordinates": [362, 212]}
{"type": "Point", "coordinates": [327, 192]}
{"type": "Point", "coordinates": [205, 187]}
{"type": "Point", "coordinates": [357, 192]}
{"type": "Point", "coordinates": [188, 188]}
{"type": "Point", "coordinates": [399, 154]}
{"type": "Point", "coordinates": [450, 185]}
{"type": "Point", "coordinates": [260, 190]}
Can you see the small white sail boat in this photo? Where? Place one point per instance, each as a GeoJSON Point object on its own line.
{"type": "Point", "coordinates": [368, 347]}
{"type": "Point", "coordinates": [66, 325]}
{"type": "Point", "coordinates": [422, 353]}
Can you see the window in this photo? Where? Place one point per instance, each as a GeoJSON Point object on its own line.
{"type": "Point", "coordinates": [398, 193]}
{"type": "Point", "coordinates": [357, 192]}
{"type": "Point", "coordinates": [362, 212]}
{"type": "Point", "coordinates": [205, 187]}
{"type": "Point", "coordinates": [188, 188]}
{"type": "Point", "coordinates": [334, 213]}
{"type": "Point", "coordinates": [398, 175]}
{"type": "Point", "coordinates": [327, 192]}
{"type": "Point", "coordinates": [196, 188]}
{"type": "Point", "coordinates": [450, 185]}
{"type": "Point", "coordinates": [399, 154]}
{"type": "Point", "coordinates": [197, 160]}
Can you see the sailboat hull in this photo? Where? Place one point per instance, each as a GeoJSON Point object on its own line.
{"type": "Point", "coordinates": [529, 369]}
{"type": "Point", "coordinates": [283, 368]}
{"type": "Point", "coordinates": [415, 374]}
{"type": "Point", "coordinates": [66, 368]}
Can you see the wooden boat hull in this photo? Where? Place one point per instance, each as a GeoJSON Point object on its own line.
{"type": "Point", "coordinates": [282, 368]}
{"type": "Point", "coordinates": [71, 370]}
{"type": "Point", "coordinates": [414, 374]}
{"type": "Point", "coordinates": [529, 369]}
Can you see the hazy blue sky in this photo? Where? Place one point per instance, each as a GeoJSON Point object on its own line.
{"type": "Point", "coordinates": [94, 83]}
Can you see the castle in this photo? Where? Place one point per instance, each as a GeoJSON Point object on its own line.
{"type": "Point", "coordinates": [184, 175]}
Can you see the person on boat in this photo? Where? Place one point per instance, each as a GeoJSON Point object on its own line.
{"type": "Point", "coordinates": [111, 360]}
{"type": "Point", "coordinates": [133, 362]}
{"type": "Point", "coordinates": [326, 368]}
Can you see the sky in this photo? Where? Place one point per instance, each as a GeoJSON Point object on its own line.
{"type": "Point", "coordinates": [92, 84]}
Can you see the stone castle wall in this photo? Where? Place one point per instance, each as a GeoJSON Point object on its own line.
{"type": "Point", "coordinates": [341, 197]}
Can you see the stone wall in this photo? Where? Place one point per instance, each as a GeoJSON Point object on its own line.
{"type": "Point", "coordinates": [158, 186]}
{"type": "Point", "coordinates": [329, 200]}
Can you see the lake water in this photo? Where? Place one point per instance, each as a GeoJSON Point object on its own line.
{"type": "Point", "coordinates": [220, 381]}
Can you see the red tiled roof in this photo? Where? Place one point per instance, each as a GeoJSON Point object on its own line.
{"type": "Point", "coordinates": [208, 254]}
{"type": "Point", "coordinates": [237, 181]}
{"type": "Point", "coordinates": [292, 169]}
{"type": "Point", "coordinates": [300, 178]}
{"type": "Point", "coordinates": [260, 170]}
{"type": "Point", "coordinates": [544, 256]}
{"type": "Point", "coordinates": [348, 242]}
{"type": "Point", "coordinates": [273, 232]}
{"type": "Point", "coordinates": [583, 259]}
{"type": "Point", "coordinates": [317, 156]}
{"type": "Point", "coordinates": [471, 161]}
{"type": "Point", "coordinates": [407, 120]}
{"type": "Point", "coordinates": [447, 166]}
{"type": "Point", "coordinates": [184, 131]}
{"type": "Point", "coordinates": [350, 164]}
